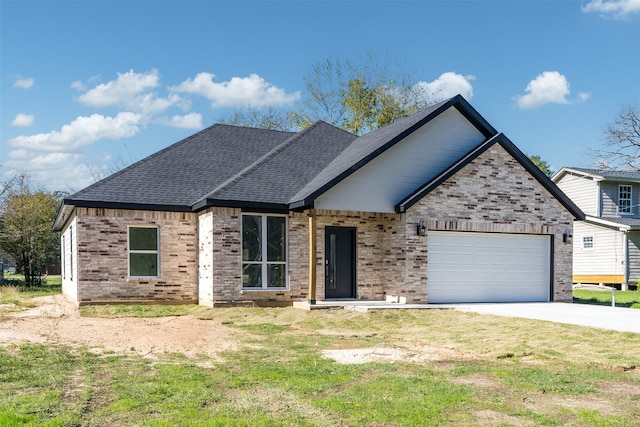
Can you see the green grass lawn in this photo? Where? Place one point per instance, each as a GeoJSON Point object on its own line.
{"type": "Point", "coordinates": [485, 370]}
{"type": "Point", "coordinates": [623, 298]}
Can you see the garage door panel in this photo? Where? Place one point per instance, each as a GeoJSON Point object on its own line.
{"type": "Point", "coordinates": [484, 267]}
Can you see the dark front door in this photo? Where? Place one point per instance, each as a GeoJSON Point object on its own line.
{"type": "Point", "coordinates": [340, 262]}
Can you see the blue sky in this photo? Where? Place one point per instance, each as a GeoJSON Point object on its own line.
{"type": "Point", "coordinates": [86, 84]}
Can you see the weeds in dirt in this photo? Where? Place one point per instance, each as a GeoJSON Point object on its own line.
{"type": "Point", "coordinates": [485, 370]}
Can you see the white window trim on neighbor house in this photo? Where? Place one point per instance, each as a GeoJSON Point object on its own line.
{"type": "Point", "coordinates": [625, 208]}
{"type": "Point", "coordinates": [264, 262]}
{"type": "Point", "coordinates": [143, 251]}
{"type": "Point", "coordinates": [588, 242]}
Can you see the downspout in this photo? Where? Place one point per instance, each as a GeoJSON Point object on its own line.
{"type": "Point", "coordinates": [313, 246]}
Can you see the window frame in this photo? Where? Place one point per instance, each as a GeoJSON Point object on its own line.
{"type": "Point", "coordinates": [629, 199]}
{"type": "Point", "coordinates": [143, 251]}
{"type": "Point", "coordinates": [585, 239]}
{"type": "Point", "coordinates": [264, 262]}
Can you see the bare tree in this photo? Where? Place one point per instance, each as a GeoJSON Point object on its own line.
{"type": "Point", "coordinates": [270, 118]}
{"type": "Point", "coordinates": [622, 140]}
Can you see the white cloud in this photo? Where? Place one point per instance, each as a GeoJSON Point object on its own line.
{"type": "Point", "coordinates": [79, 86]}
{"type": "Point", "coordinates": [613, 8]}
{"type": "Point", "coordinates": [23, 120]}
{"type": "Point", "coordinates": [449, 84]}
{"type": "Point", "coordinates": [550, 87]}
{"type": "Point", "coordinates": [188, 121]}
{"type": "Point", "coordinates": [132, 91]}
{"type": "Point", "coordinates": [59, 171]}
{"type": "Point", "coordinates": [251, 91]}
{"type": "Point", "coordinates": [81, 132]}
{"type": "Point", "coordinates": [24, 83]}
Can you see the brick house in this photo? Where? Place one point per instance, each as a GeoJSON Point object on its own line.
{"type": "Point", "coordinates": [435, 207]}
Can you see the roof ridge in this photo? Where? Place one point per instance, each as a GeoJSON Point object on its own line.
{"type": "Point", "coordinates": [268, 155]}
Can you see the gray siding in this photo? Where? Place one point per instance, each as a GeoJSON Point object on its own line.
{"type": "Point", "coordinates": [609, 196]}
{"type": "Point", "coordinates": [607, 256]}
{"type": "Point", "coordinates": [583, 191]}
{"type": "Point", "coordinates": [634, 258]}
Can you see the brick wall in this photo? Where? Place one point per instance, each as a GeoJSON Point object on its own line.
{"type": "Point", "coordinates": [494, 193]}
{"type": "Point", "coordinates": [379, 251]}
{"type": "Point", "coordinates": [103, 259]}
{"type": "Point", "coordinates": [201, 256]}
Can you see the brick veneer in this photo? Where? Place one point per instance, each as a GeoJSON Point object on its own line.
{"type": "Point", "coordinates": [103, 260]}
{"type": "Point", "coordinates": [494, 193]}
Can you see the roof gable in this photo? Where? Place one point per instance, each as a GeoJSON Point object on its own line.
{"type": "Point", "coordinates": [281, 172]}
{"type": "Point", "coordinates": [369, 146]}
{"type": "Point", "coordinates": [515, 153]}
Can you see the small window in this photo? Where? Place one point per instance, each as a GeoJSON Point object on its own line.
{"type": "Point", "coordinates": [587, 242]}
{"type": "Point", "coordinates": [143, 252]}
{"type": "Point", "coordinates": [624, 199]}
{"type": "Point", "coordinates": [264, 251]}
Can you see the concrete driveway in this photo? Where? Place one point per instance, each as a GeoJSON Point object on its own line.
{"type": "Point", "coordinates": [595, 316]}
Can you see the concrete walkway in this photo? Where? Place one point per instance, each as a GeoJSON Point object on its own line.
{"type": "Point", "coordinates": [595, 316]}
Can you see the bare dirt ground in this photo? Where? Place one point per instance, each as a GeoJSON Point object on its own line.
{"type": "Point", "coordinates": [56, 320]}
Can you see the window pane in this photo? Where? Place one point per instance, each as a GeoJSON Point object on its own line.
{"type": "Point", "coordinates": [251, 238]}
{"type": "Point", "coordinates": [143, 265]}
{"type": "Point", "coordinates": [252, 276]}
{"type": "Point", "coordinates": [276, 238]}
{"type": "Point", "coordinates": [145, 239]}
{"type": "Point", "coordinates": [276, 276]}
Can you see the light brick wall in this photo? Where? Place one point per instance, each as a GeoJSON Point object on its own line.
{"type": "Point", "coordinates": [201, 256]}
{"type": "Point", "coordinates": [379, 251]}
{"type": "Point", "coordinates": [103, 259]}
{"type": "Point", "coordinates": [494, 193]}
{"type": "Point", "coordinates": [221, 260]}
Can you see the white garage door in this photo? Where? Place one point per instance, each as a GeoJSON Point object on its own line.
{"type": "Point", "coordinates": [487, 267]}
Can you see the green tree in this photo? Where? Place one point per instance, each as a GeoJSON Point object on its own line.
{"type": "Point", "coordinates": [355, 96]}
{"type": "Point", "coordinates": [25, 229]}
{"type": "Point", "coordinates": [542, 165]}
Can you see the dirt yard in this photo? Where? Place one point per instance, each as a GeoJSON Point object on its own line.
{"type": "Point", "coordinates": [56, 320]}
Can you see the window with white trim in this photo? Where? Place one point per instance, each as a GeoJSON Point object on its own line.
{"type": "Point", "coordinates": [587, 242]}
{"type": "Point", "coordinates": [264, 251]}
{"type": "Point", "coordinates": [144, 252]}
{"type": "Point", "coordinates": [624, 199]}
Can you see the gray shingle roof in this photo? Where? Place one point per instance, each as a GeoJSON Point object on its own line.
{"type": "Point", "coordinates": [287, 168]}
{"type": "Point", "coordinates": [182, 173]}
{"type": "Point", "coordinates": [610, 174]}
{"type": "Point", "coordinates": [221, 163]}
{"type": "Point", "coordinates": [633, 222]}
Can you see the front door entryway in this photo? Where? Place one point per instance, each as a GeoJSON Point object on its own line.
{"type": "Point", "coordinates": [340, 262]}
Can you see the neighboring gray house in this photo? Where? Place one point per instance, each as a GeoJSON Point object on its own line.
{"type": "Point", "coordinates": [606, 245]}
{"type": "Point", "coordinates": [435, 207]}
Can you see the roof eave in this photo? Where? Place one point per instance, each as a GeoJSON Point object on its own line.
{"type": "Point", "coordinates": [241, 204]}
{"type": "Point", "coordinates": [515, 153]}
